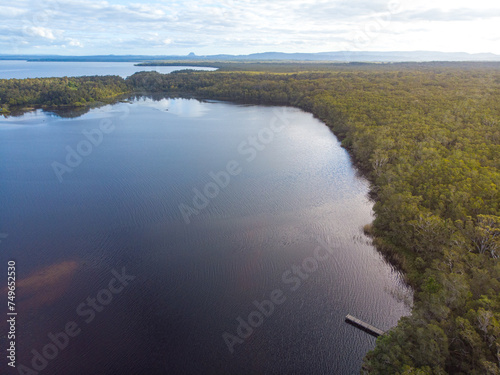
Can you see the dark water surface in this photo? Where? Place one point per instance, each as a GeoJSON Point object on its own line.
{"type": "Point", "coordinates": [117, 207]}
{"type": "Point", "coordinates": [38, 69]}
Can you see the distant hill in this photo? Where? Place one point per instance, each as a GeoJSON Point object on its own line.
{"type": "Point", "coordinates": [341, 56]}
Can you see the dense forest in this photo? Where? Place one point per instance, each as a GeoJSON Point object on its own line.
{"type": "Point", "coordinates": [428, 137]}
{"type": "Point", "coordinates": [277, 66]}
{"type": "Point", "coordinates": [57, 92]}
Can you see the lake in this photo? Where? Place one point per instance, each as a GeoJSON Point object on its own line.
{"type": "Point", "coordinates": [182, 236]}
{"type": "Point", "coordinates": [38, 69]}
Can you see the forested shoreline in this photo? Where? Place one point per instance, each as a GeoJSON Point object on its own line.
{"type": "Point", "coordinates": [428, 137]}
{"type": "Point", "coordinates": [58, 92]}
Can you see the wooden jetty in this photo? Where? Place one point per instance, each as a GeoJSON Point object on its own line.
{"type": "Point", "coordinates": [364, 326]}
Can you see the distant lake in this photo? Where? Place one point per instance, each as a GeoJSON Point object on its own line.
{"type": "Point", "coordinates": [212, 209]}
{"type": "Point", "coordinates": [37, 69]}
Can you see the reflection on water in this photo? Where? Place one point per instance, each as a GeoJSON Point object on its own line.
{"type": "Point", "coordinates": [45, 285]}
{"type": "Point", "coordinates": [181, 108]}
{"type": "Point", "coordinates": [120, 208]}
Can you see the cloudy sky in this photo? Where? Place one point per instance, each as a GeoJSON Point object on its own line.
{"type": "Point", "coordinates": [171, 27]}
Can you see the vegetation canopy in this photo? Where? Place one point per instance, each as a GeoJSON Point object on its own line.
{"type": "Point", "coordinates": [428, 137]}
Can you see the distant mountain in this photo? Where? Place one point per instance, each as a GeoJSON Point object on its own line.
{"type": "Point", "coordinates": [360, 56]}
{"type": "Point", "coordinates": [341, 56]}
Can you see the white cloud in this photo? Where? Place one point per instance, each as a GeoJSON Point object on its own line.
{"type": "Point", "coordinates": [451, 15]}
{"type": "Point", "coordinates": [10, 11]}
{"type": "Point", "coordinates": [40, 32]}
{"type": "Point", "coordinates": [75, 43]}
{"type": "Point", "coordinates": [247, 26]}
